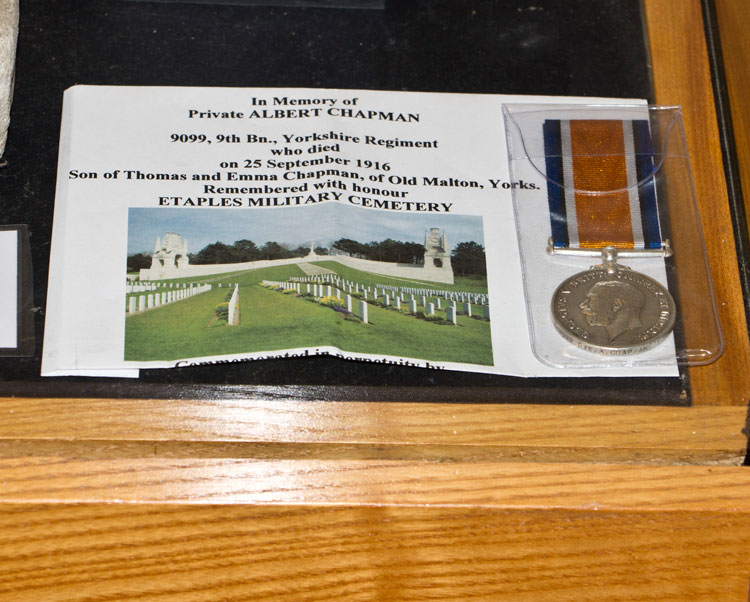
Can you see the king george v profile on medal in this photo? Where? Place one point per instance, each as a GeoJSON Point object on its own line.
{"type": "Point", "coordinates": [614, 305]}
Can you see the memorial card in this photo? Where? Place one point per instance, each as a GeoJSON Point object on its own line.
{"type": "Point", "coordinates": [199, 226]}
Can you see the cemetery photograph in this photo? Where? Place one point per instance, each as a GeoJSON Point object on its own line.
{"type": "Point", "coordinates": [202, 283]}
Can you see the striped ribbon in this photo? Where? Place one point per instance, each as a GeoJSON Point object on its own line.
{"type": "Point", "coordinates": [610, 156]}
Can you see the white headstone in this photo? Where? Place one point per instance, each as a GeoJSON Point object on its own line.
{"type": "Point", "coordinates": [450, 314]}
{"type": "Point", "coordinates": [363, 311]}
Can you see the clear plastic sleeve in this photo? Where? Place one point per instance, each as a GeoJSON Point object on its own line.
{"type": "Point", "coordinates": [681, 267]}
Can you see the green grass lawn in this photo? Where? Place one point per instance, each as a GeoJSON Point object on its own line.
{"type": "Point", "coordinates": [272, 320]}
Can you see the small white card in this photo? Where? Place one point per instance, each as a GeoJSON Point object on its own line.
{"type": "Point", "coordinates": [9, 290]}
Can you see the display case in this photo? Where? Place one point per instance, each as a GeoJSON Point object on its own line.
{"type": "Point", "coordinates": [310, 478]}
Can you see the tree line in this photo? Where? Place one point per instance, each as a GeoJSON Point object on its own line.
{"type": "Point", "coordinates": [467, 258]}
{"type": "Point", "coordinates": [246, 250]}
{"type": "Point", "coordinates": [390, 250]}
{"type": "Point", "coordinates": [238, 252]}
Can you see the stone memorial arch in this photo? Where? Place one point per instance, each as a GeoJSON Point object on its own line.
{"type": "Point", "coordinates": [170, 253]}
{"type": "Point", "coordinates": [436, 251]}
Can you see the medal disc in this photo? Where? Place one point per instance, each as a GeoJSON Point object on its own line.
{"type": "Point", "coordinates": [616, 313]}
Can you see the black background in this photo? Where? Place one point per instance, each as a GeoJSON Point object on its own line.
{"type": "Point", "coordinates": [576, 47]}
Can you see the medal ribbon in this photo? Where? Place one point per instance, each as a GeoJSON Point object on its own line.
{"type": "Point", "coordinates": [594, 168]}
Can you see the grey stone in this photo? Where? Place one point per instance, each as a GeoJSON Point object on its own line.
{"type": "Point", "coordinates": [8, 38]}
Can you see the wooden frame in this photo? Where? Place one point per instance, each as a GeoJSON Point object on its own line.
{"type": "Point", "coordinates": [284, 499]}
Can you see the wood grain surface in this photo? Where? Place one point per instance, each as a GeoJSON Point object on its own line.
{"type": "Point", "coordinates": [230, 529]}
{"type": "Point", "coordinates": [240, 499]}
{"type": "Point", "coordinates": [734, 21]}
{"type": "Point", "coordinates": [102, 553]}
{"type": "Point", "coordinates": [540, 485]}
{"type": "Point", "coordinates": [108, 428]}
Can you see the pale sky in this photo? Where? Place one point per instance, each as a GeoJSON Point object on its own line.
{"type": "Point", "coordinates": [296, 226]}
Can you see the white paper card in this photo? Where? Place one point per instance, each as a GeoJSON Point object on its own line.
{"type": "Point", "coordinates": [9, 290]}
{"type": "Point", "coordinates": [287, 182]}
